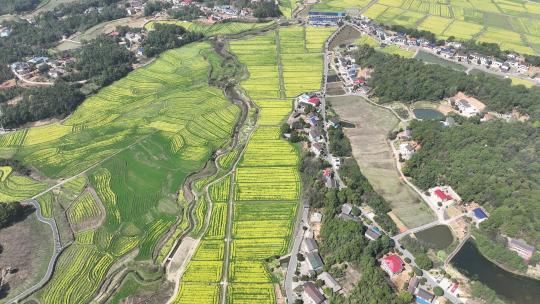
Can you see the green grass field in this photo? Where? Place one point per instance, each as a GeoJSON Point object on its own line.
{"type": "Point", "coordinates": [514, 24]}
{"type": "Point", "coordinates": [375, 158]}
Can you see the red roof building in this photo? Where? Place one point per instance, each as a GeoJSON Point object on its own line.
{"type": "Point", "coordinates": [314, 101]}
{"type": "Point", "coordinates": [392, 264]}
{"type": "Point", "coordinates": [114, 34]}
{"type": "Point", "coordinates": [327, 172]}
{"type": "Point", "coordinates": [359, 81]}
{"type": "Point", "coordinates": [443, 196]}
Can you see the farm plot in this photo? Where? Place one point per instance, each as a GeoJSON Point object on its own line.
{"type": "Point", "coordinates": [267, 184]}
{"type": "Point", "coordinates": [219, 192]}
{"type": "Point", "coordinates": [84, 212]}
{"type": "Point", "coordinates": [260, 54]}
{"type": "Point", "coordinates": [218, 222]}
{"type": "Point", "coordinates": [219, 28]}
{"type": "Point", "coordinates": [302, 68]}
{"type": "Point", "coordinates": [251, 293]}
{"type": "Point", "coordinates": [249, 272]}
{"type": "Point", "coordinates": [17, 188]}
{"type": "Point", "coordinates": [197, 293]}
{"type": "Point", "coordinates": [179, 121]}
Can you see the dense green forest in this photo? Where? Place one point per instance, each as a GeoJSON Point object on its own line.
{"type": "Point", "coordinates": [166, 36]}
{"type": "Point", "coordinates": [409, 80]}
{"type": "Point", "coordinates": [12, 212]}
{"type": "Point", "coordinates": [344, 241]}
{"type": "Point", "coordinates": [17, 6]}
{"type": "Point", "coordinates": [102, 61]}
{"type": "Point", "coordinates": [39, 103]}
{"type": "Point", "coordinates": [496, 164]}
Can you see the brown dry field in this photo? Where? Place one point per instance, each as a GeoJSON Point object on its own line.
{"type": "Point", "coordinates": [374, 156]}
{"type": "Point", "coordinates": [28, 247]}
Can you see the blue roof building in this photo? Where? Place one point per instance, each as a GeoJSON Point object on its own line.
{"type": "Point", "coordinates": [325, 18]}
{"type": "Point", "coordinates": [480, 214]}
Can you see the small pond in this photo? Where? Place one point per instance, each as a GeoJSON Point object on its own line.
{"type": "Point", "coordinates": [512, 288]}
{"type": "Point", "coordinates": [438, 237]}
{"type": "Point", "coordinates": [426, 114]}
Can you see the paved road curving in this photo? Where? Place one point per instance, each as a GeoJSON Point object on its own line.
{"type": "Point", "coordinates": [57, 250]}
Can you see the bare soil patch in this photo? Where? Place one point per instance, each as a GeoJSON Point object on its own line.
{"type": "Point", "coordinates": [27, 249]}
{"type": "Point", "coordinates": [375, 158]}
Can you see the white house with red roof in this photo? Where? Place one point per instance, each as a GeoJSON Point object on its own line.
{"type": "Point", "coordinates": [308, 99]}
{"type": "Point", "coordinates": [392, 264]}
{"type": "Point", "coordinates": [443, 195]}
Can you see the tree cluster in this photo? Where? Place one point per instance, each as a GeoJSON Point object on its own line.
{"type": "Point", "coordinates": [155, 6]}
{"type": "Point", "coordinates": [12, 212]}
{"type": "Point", "coordinates": [187, 13]}
{"type": "Point", "coordinates": [266, 9]}
{"type": "Point", "coordinates": [419, 251]}
{"type": "Point", "coordinates": [339, 143]}
{"type": "Point", "coordinates": [39, 103]}
{"type": "Point", "coordinates": [494, 163]}
{"type": "Point", "coordinates": [28, 39]}
{"type": "Point", "coordinates": [496, 250]}
{"type": "Point", "coordinates": [102, 61]}
{"type": "Point", "coordinates": [409, 80]}
{"type": "Point", "coordinates": [17, 6]}
{"type": "Point", "coordinates": [168, 36]}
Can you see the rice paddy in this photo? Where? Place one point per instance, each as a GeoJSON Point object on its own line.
{"type": "Point", "coordinates": [514, 24]}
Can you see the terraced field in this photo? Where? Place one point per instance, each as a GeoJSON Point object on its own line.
{"type": "Point", "coordinates": [265, 184]}
{"type": "Point", "coordinates": [514, 24]}
{"type": "Point", "coordinates": [139, 138]}
{"type": "Point", "coordinates": [216, 28]}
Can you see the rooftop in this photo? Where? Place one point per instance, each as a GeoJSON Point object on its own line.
{"type": "Point", "coordinates": [313, 292]}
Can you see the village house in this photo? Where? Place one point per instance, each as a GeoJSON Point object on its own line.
{"type": "Point", "coordinates": [406, 150]}
{"type": "Point", "coordinates": [519, 246]}
{"type": "Point", "coordinates": [315, 135]}
{"type": "Point", "coordinates": [449, 122]}
{"type": "Point", "coordinates": [312, 294]}
{"type": "Point", "coordinates": [392, 264]}
{"type": "Point", "coordinates": [133, 37]}
{"type": "Point", "coordinates": [308, 99]}
{"type": "Point", "coordinates": [372, 233]}
{"type": "Point", "coordinates": [423, 296]}
{"type": "Point", "coordinates": [346, 209]}
{"type": "Point", "coordinates": [413, 284]}
{"type": "Point", "coordinates": [314, 261]}
{"type": "Point", "coordinates": [329, 281]}
{"type": "Point", "coordinates": [334, 122]}
{"type": "Point", "coordinates": [310, 245]}
{"type": "Point", "coordinates": [466, 108]}
{"type": "Point", "coordinates": [317, 148]}
{"type": "Point", "coordinates": [20, 67]}
{"type": "Point", "coordinates": [329, 180]}
{"type": "Point", "coordinates": [405, 135]}
{"type": "Point", "coordinates": [325, 18]}
{"type": "Point", "coordinates": [5, 32]}
{"type": "Point", "coordinates": [316, 218]}
{"type": "Point", "coordinates": [480, 215]}
{"type": "Point", "coordinates": [312, 119]}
